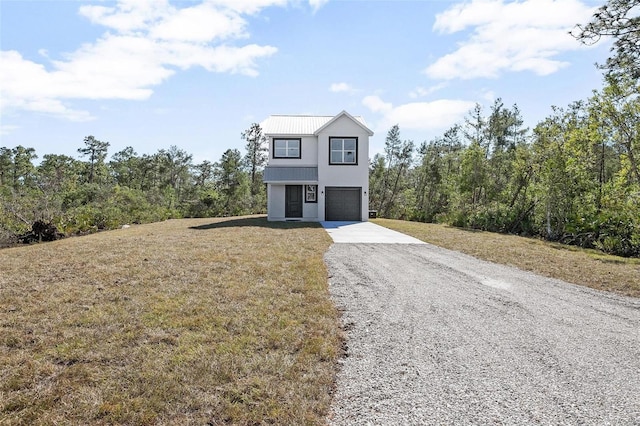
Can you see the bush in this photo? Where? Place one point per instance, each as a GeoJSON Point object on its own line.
{"type": "Point", "coordinates": [619, 236]}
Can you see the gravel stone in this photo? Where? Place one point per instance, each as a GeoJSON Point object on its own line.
{"type": "Point", "coordinates": [439, 337]}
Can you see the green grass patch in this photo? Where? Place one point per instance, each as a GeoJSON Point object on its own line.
{"type": "Point", "coordinates": [195, 321]}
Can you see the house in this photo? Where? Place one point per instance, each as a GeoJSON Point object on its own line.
{"type": "Point", "coordinates": [318, 167]}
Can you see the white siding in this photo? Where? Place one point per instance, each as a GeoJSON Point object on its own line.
{"type": "Point", "coordinates": [310, 212]}
{"type": "Point", "coordinates": [343, 175]}
{"type": "Point", "coordinates": [309, 151]}
{"type": "Point", "coordinates": [276, 205]}
{"type": "Point", "coordinates": [315, 152]}
{"type": "Point", "coordinates": [275, 202]}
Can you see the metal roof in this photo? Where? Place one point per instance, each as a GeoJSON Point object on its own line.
{"type": "Point", "coordinates": [301, 125]}
{"type": "Point", "coordinates": [290, 174]}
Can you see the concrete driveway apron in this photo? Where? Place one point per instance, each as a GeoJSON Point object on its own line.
{"type": "Point", "coordinates": [366, 232]}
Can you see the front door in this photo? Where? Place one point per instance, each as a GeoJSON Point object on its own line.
{"type": "Point", "coordinates": [293, 201]}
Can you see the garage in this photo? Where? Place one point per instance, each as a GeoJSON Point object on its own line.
{"type": "Point", "coordinates": [343, 203]}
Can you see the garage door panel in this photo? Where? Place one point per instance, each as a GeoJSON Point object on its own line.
{"type": "Point", "coordinates": [343, 203]}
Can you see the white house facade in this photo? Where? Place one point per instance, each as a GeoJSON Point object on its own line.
{"type": "Point", "coordinates": [318, 167]}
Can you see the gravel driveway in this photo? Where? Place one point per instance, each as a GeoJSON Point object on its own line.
{"type": "Point", "coordinates": [438, 337]}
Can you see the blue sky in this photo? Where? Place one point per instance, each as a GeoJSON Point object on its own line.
{"type": "Point", "coordinates": [155, 73]}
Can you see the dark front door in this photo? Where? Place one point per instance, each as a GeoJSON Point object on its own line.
{"type": "Point", "coordinates": [293, 201]}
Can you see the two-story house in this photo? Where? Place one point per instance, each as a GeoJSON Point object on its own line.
{"type": "Point", "coordinates": [318, 167]}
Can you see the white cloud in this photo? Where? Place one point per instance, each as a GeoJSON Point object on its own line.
{"type": "Point", "coordinates": [340, 87]}
{"type": "Point", "coordinates": [248, 6]}
{"type": "Point", "coordinates": [375, 104]}
{"type": "Point", "coordinates": [5, 129]}
{"type": "Point", "coordinates": [147, 42]}
{"type": "Point", "coordinates": [421, 92]}
{"type": "Point", "coordinates": [128, 15]}
{"type": "Point", "coordinates": [435, 115]}
{"type": "Point", "coordinates": [28, 86]}
{"type": "Point", "coordinates": [488, 95]}
{"type": "Point", "coordinates": [201, 23]}
{"type": "Point", "coordinates": [506, 36]}
{"type": "Point", "coordinates": [317, 4]}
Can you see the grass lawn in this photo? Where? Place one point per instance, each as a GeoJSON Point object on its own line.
{"type": "Point", "coordinates": [205, 321]}
{"type": "Point", "coordinates": [579, 266]}
{"type": "Point", "coordinates": [194, 321]}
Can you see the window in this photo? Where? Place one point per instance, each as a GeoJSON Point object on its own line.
{"type": "Point", "coordinates": [311, 194]}
{"type": "Point", "coordinates": [286, 148]}
{"type": "Point", "coordinates": [343, 150]}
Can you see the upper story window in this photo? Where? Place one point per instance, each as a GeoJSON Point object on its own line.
{"type": "Point", "coordinates": [343, 150]}
{"type": "Point", "coordinates": [286, 148]}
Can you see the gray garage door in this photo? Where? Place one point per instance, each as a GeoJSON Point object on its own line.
{"type": "Point", "coordinates": [342, 203]}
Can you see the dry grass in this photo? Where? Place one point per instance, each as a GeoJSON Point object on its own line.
{"type": "Point", "coordinates": [203, 321]}
{"type": "Point", "coordinates": [585, 267]}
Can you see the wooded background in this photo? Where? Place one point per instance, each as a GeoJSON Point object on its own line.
{"type": "Point", "coordinates": [573, 178]}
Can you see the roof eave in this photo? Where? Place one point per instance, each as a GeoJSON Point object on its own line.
{"type": "Point", "coordinates": [292, 182]}
{"type": "Point", "coordinates": [343, 114]}
{"type": "Point", "coordinates": [302, 135]}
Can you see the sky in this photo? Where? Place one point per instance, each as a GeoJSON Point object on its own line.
{"type": "Point", "coordinates": [154, 73]}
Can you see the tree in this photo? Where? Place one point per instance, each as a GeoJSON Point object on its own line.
{"type": "Point", "coordinates": [256, 156]}
{"type": "Point", "coordinates": [23, 167]}
{"type": "Point", "coordinates": [475, 128]}
{"type": "Point", "coordinates": [618, 19]}
{"type": "Point", "coordinates": [124, 167]}
{"type": "Point", "coordinates": [58, 172]}
{"type": "Point", "coordinates": [254, 162]}
{"type": "Point", "coordinates": [204, 173]}
{"type": "Point", "coordinates": [504, 133]}
{"type": "Point", "coordinates": [619, 107]}
{"type": "Point", "coordinates": [57, 177]}
{"type": "Point", "coordinates": [96, 151]}
{"type": "Point", "coordinates": [232, 183]}
{"type": "Point", "coordinates": [6, 166]}
{"type": "Point", "coordinates": [176, 164]}
{"type": "Point", "coordinates": [377, 171]}
{"type": "Point", "coordinates": [564, 178]}
{"type": "Point", "coordinates": [172, 168]}
{"type": "Point", "coordinates": [473, 175]}
{"type": "Point", "coordinates": [429, 180]}
{"type": "Point", "coordinates": [398, 159]}
{"type": "Point", "coordinates": [436, 174]}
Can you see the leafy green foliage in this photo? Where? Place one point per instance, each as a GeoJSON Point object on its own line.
{"type": "Point", "coordinates": [255, 160]}
{"type": "Point", "coordinates": [393, 180]}
{"type": "Point", "coordinates": [87, 196]}
{"type": "Point", "coordinates": [573, 179]}
{"type": "Point", "coordinates": [620, 20]}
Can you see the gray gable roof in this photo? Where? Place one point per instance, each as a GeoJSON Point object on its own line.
{"type": "Point", "coordinates": [359, 121]}
{"type": "Point", "coordinates": [304, 125]}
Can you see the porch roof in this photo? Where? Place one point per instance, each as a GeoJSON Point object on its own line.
{"type": "Point", "coordinates": [274, 174]}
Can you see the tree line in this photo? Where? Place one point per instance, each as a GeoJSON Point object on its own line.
{"type": "Point", "coordinates": [574, 178]}
{"type": "Point", "coordinates": [94, 193]}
